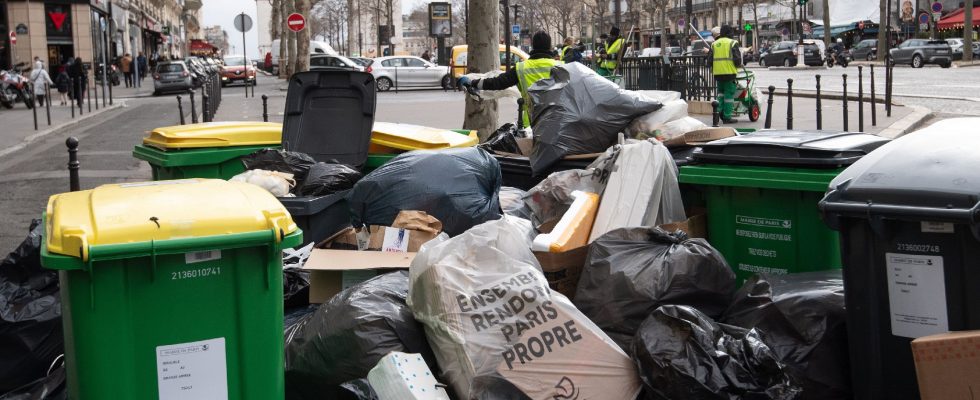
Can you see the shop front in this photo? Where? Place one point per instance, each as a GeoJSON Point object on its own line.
{"type": "Point", "coordinates": [4, 39]}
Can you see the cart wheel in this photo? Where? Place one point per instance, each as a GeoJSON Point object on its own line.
{"type": "Point", "coordinates": [754, 112]}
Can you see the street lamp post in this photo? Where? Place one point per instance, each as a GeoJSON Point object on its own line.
{"type": "Point", "coordinates": [800, 58]}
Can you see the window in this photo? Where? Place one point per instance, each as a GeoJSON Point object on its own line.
{"type": "Point", "coordinates": [316, 61]}
{"type": "Point", "coordinates": [413, 62]}
{"type": "Point", "coordinates": [393, 62]}
{"type": "Point", "coordinates": [461, 58]}
{"type": "Point", "coordinates": [165, 68]}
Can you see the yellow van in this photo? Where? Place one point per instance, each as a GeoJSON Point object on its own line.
{"type": "Point", "coordinates": [457, 61]}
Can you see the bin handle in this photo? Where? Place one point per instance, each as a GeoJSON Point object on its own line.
{"type": "Point", "coordinates": [832, 204]}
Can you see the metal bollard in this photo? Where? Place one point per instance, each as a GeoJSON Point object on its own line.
{"type": "Point", "coordinates": [768, 124]}
{"type": "Point", "coordinates": [193, 108]}
{"type": "Point", "coordinates": [845, 101]}
{"type": "Point", "coordinates": [73, 164]}
{"type": "Point", "coordinates": [94, 93]}
{"type": "Point", "coordinates": [714, 114]}
{"type": "Point", "coordinates": [860, 98]}
{"type": "Point", "coordinates": [874, 100]}
{"type": "Point", "coordinates": [33, 100]}
{"type": "Point", "coordinates": [180, 110]}
{"type": "Point", "coordinates": [206, 104]}
{"type": "Point", "coordinates": [110, 93]}
{"type": "Point", "coordinates": [819, 106]}
{"type": "Point", "coordinates": [72, 99]}
{"type": "Point", "coordinates": [888, 86]}
{"type": "Point", "coordinates": [47, 104]}
{"type": "Point", "coordinates": [265, 108]}
{"type": "Point", "coordinates": [88, 96]}
{"type": "Point", "coordinates": [789, 103]}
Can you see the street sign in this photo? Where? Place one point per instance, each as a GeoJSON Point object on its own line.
{"type": "Point", "coordinates": [296, 22]}
{"type": "Point", "coordinates": [243, 23]}
{"type": "Point", "coordinates": [937, 15]}
{"type": "Point", "coordinates": [937, 7]}
{"type": "Point", "coordinates": [785, 31]}
{"type": "Point", "coordinates": [923, 19]}
{"type": "Point", "coordinates": [681, 23]}
{"type": "Point", "coordinates": [515, 30]}
{"type": "Point", "coordinates": [13, 37]}
{"type": "Point", "coordinates": [923, 27]}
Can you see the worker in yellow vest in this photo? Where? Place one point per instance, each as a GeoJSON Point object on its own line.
{"type": "Point", "coordinates": [726, 59]}
{"type": "Point", "coordinates": [610, 60]}
{"type": "Point", "coordinates": [524, 74]}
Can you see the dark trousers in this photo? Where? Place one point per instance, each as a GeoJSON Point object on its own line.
{"type": "Point", "coordinates": [129, 79]}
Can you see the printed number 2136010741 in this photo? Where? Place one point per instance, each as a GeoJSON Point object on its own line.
{"type": "Point", "coordinates": [195, 273]}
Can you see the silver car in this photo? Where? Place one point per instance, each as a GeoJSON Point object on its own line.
{"type": "Point", "coordinates": [171, 76]}
{"type": "Point", "coordinates": [408, 71]}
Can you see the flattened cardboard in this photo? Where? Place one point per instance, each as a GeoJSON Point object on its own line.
{"type": "Point", "coordinates": [329, 267]}
{"type": "Point", "coordinates": [701, 136]}
{"type": "Point", "coordinates": [695, 226]}
{"type": "Point", "coordinates": [948, 365]}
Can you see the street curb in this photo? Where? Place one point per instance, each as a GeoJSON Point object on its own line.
{"type": "Point", "coordinates": [38, 135]}
{"type": "Point", "coordinates": [907, 124]}
{"type": "Point", "coordinates": [807, 68]}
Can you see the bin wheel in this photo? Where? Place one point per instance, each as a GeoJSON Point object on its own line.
{"type": "Point", "coordinates": [754, 112]}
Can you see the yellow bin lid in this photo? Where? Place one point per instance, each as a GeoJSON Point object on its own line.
{"type": "Point", "coordinates": [215, 134]}
{"type": "Point", "coordinates": [415, 137]}
{"type": "Point", "coordinates": [161, 210]}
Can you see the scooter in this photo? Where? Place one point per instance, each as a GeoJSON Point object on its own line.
{"type": "Point", "coordinates": [15, 87]}
{"type": "Point", "coordinates": [838, 58]}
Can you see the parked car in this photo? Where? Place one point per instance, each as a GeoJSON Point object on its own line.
{"type": "Point", "coordinates": [321, 62]}
{"type": "Point", "coordinates": [316, 47]}
{"type": "Point", "coordinates": [457, 60]}
{"type": "Point", "coordinates": [171, 76]}
{"type": "Point", "coordinates": [919, 52]}
{"type": "Point", "coordinates": [408, 71]}
{"type": "Point", "coordinates": [363, 61]}
{"type": "Point", "coordinates": [956, 46]}
{"type": "Point", "coordinates": [784, 54]}
{"type": "Point", "coordinates": [236, 70]}
{"type": "Point", "coordinates": [866, 49]}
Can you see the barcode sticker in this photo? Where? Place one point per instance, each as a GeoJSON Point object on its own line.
{"type": "Point", "coordinates": [202, 256]}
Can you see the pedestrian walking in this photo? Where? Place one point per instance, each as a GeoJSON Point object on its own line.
{"type": "Point", "coordinates": [63, 83]}
{"type": "Point", "coordinates": [40, 77]}
{"type": "Point", "coordinates": [127, 69]}
{"type": "Point", "coordinates": [725, 62]}
{"type": "Point", "coordinates": [610, 59]}
{"type": "Point", "coordinates": [426, 56]}
{"type": "Point", "coordinates": [142, 66]}
{"type": "Point", "coordinates": [80, 80]}
{"type": "Point", "coordinates": [571, 52]}
{"type": "Point", "coordinates": [524, 74]}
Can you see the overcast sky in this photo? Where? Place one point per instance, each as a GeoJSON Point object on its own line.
{"type": "Point", "coordinates": [222, 12]}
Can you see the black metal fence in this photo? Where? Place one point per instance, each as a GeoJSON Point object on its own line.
{"type": "Point", "coordinates": [689, 75]}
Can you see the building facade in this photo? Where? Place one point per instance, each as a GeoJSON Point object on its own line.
{"type": "Point", "coordinates": [217, 37]}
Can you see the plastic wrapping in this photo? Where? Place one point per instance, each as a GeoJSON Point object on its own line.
{"type": "Point", "coordinates": [512, 92]}
{"type": "Point", "coordinates": [551, 198]}
{"type": "Point", "coordinates": [348, 335]}
{"type": "Point", "coordinates": [630, 272]}
{"type": "Point", "coordinates": [457, 186]}
{"type": "Point", "coordinates": [295, 280]}
{"type": "Point", "coordinates": [31, 335]}
{"type": "Point", "coordinates": [512, 202]}
{"type": "Point", "coordinates": [499, 332]}
{"type": "Point", "coordinates": [684, 354]}
{"type": "Point", "coordinates": [326, 178]}
{"type": "Point", "coordinates": [291, 162]}
{"type": "Point", "coordinates": [646, 126]}
{"type": "Point", "coordinates": [579, 112]}
{"type": "Point", "coordinates": [504, 139]}
{"type": "Point", "coordinates": [662, 96]}
{"type": "Point", "coordinates": [401, 376]}
{"type": "Point", "coordinates": [802, 317]}
{"type": "Point", "coordinates": [53, 386]}
{"type": "Point", "coordinates": [277, 183]}
{"type": "Point", "coordinates": [674, 129]}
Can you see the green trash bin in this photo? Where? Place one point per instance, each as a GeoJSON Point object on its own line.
{"type": "Point", "coordinates": [761, 192]}
{"type": "Point", "coordinates": [171, 290]}
{"type": "Point", "coordinates": [206, 150]}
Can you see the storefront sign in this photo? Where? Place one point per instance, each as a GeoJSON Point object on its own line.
{"type": "Point", "coordinates": [21, 29]}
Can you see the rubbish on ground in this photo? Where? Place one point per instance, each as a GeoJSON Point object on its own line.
{"type": "Point", "coordinates": [291, 162]}
{"type": "Point", "coordinates": [642, 189]}
{"type": "Point", "coordinates": [401, 376]}
{"type": "Point", "coordinates": [946, 365]}
{"type": "Point", "coordinates": [499, 332]}
{"type": "Point", "coordinates": [512, 202]}
{"type": "Point", "coordinates": [457, 186]}
{"type": "Point", "coordinates": [660, 96]}
{"type": "Point", "coordinates": [632, 271]}
{"type": "Point", "coordinates": [325, 178]}
{"type": "Point", "coordinates": [579, 112]}
{"type": "Point", "coordinates": [550, 199]}
{"type": "Point", "coordinates": [684, 354]}
{"type": "Point", "coordinates": [647, 125]}
{"type": "Point", "coordinates": [357, 389]}
{"type": "Point", "coordinates": [30, 314]}
{"type": "Point", "coordinates": [277, 183]}
{"type": "Point", "coordinates": [415, 137]}
{"type": "Point", "coordinates": [348, 335]}
{"type": "Point", "coordinates": [803, 321]}
{"type": "Point", "coordinates": [562, 269]}
{"type": "Point", "coordinates": [695, 227]}
{"type": "Point", "coordinates": [572, 230]}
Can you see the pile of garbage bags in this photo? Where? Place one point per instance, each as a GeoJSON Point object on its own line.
{"type": "Point", "coordinates": [289, 173]}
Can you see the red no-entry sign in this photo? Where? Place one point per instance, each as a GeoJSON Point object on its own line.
{"type": "Point", "coordinates": [296, 22]}
{"type": "Point", "coordinates": [13, 37]}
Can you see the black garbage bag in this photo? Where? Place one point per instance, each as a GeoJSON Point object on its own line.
{"type": "Point", "coordinates": [50, 387]}
{"type": "Point", "coordinates": [358, 389]}
{"type": "Point", "coordinates": [630, 272]}
{"type": "Point", "coordinates": [457, 186]}
{"type": "Point", "coordinates": [326, 178]}
{"type": "Point", "coordinates": [802, 317]}
{"type": "Point", "coordinates": [295, 287]}
{"type": "Point", "coordinates": [348, 335]}
{"type": "Point", "coordinates": [683, 354]}
{"type": "Point", "coordinates": [576, 111]}
{"type": "Point", "coordinates": [30, 314]}
{"type": "Point", "coordinates": [504, 139]}
{"type": "Point", "coordinates": [512, 202]}
{"type": "Point", "coordinates": [291, 162]}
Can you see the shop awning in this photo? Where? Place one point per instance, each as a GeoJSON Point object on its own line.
{"type": "Point", "coordinates": [834, 30]}
{"type": "Point", "coordinates": [954, 20]}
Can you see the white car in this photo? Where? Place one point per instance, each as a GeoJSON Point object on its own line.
{"type": "Point", "coordinates": [408, 72]}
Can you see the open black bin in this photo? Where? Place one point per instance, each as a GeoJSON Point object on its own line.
{"type": "Point", "coordinates": [908, 218]}
{"type": "Point", "coordinates": [329, 115]}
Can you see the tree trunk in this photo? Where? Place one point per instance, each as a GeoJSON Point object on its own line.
{"type": "Point", "coordinates": [482, 38]}
{"type": "Point", "coordinates": [303, 39]}
{"type": "Point", "coordinates": [283, 40]}
{"type": "Point", "coordinates": [826, 23]}
{"type": "Point", "coordinates": [882, 31]}
{"type": "Point", "coordinates": [351, 34]}
{"type": "Point", "coordinates": [968, 30]}
{"type": "Point", "coordinates": [276, 24]}
{"type": "Point", "coordinates": [291, 62]}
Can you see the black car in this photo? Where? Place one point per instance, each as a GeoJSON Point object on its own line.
{"type": "Point", "coordinates": [784, 54]}
{"type": "Point", "coordinates": [320, 62]}
{"type": "Point", "coordinates": [866, 49]}
{"type": "Point", "coordinates": [919, 52]}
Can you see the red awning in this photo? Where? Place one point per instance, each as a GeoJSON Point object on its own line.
{"type": "Point", "coordinates": [201, 45]}
{"type": "Point", "coordinates": [955, 19]}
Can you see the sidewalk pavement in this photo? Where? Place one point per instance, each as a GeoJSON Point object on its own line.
{"type": "Point", "coordinates": [18, 123]}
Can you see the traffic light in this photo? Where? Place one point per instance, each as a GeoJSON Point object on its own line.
{"type": "Point", "coordinates": [802, 2]}
{"type": "Point", "coordinates": [748, 27]}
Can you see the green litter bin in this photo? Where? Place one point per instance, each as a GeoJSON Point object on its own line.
{"type": "Point", "coordinates": [761, 192]}
{"type": "Point", "coordinates": [171, 290]}
{"type": "Point", "coordinates": [206, 150]}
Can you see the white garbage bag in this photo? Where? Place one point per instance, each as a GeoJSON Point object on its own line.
{"type": "Point", "coordinates": [646, 125]}
{"type": "Point", "coordinates": [494, 94]}
{"type": "Point", "coordinates": [678, 128]}
{"type": "Point", "coordinates": [277, 183]}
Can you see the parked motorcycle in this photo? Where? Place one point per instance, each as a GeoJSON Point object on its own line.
{"type": "Point", "coordinates": [15, 87]}
{"type": "Point", "coordinates": [113, 74]}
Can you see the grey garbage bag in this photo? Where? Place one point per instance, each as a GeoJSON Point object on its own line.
{"type": "Point", "coordinates": [457, 186]}
{"type": "Point", "coordinates": [629, 272]}
{"type": "Point", "coordinates": [550, 198]}
{"type": "Point", "coordinates": [348, 335]}
{"type": "Point", "coordinates": [802, 318]}
{"type": "Point", "coordinates": [684, 354]}
{"type": "Point", "coordinates": [512, 202]}
{"type": "Point", "coordinates": [498, 331]}
{"type": "Point", "coordinates": [576, 111]}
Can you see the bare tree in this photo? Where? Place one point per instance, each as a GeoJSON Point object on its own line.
{"type": "Point", "coordinates": [563, 11]}
{"type": "Point", "coordinates": [284, 63]}
{"type": "Point", "coordinates": [968, 31]}
{"type": "Point", "coordinates": [826, 23]}
{"type": "Point", "coordinates": [482, 39]}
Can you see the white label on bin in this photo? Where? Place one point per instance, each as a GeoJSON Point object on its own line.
{"type": "Point", "coordinates": [764, 222]}
{"type": "Point", "coordinates": [202, 256]}
{"type": "Point", "coordinates": [916, 294]}
{"type": "Point", "coordinates": [396, 240]}
{"type": "Point", "coordinates": [937, 227]}
{"type": "Point", "coordinates": [193, 371]}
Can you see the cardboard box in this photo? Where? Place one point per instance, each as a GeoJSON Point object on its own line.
{"type": "Point", "coordinates": [695, 226]}
{"type": "Point", "coordinates": [948, 365]}
{"type": "Point", "coordinates": [334, 270]}
{"type": "Point", "coordinates": [701, 136]}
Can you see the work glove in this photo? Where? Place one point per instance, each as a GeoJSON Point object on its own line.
{"type": "Point", "coordinates": [464, 81]}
